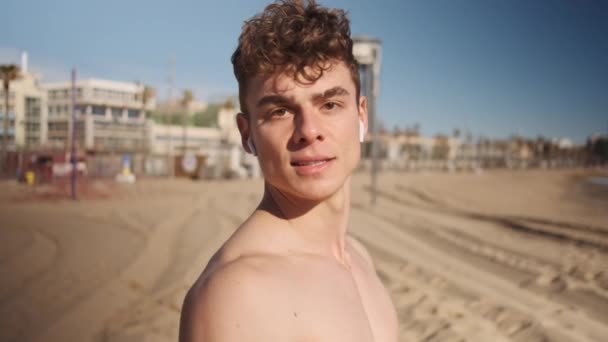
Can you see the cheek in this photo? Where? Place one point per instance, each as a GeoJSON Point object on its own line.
{"type": "Point", "coordinates": [353, 142]}
{"type": "Point", "coordinates": [271, 143]}
{"type": "Point", "coordinates": [348, 134]}
{"type": "Point", "coordinates": [271, 154]}
{"type": "Point", "coordinates": [274, 137]}
{"type": "Point", "coordinates": [354, 154]}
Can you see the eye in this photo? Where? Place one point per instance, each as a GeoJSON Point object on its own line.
{"type": "Point", "coordinates": [330, 106]}
{"type": "Point", "coordinates": [279, 112]}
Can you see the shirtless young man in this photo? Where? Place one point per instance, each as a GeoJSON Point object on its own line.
{"type": "Point", "coordinates": [290, 272]}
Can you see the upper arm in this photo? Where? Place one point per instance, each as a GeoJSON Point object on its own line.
{"type": "Point", "coordinates": [224, 307]}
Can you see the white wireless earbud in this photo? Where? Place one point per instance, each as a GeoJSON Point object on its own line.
{"type": "Point", "coordinates": [251, 146]}
{"type": "Point", "coordinates": [361, 131]}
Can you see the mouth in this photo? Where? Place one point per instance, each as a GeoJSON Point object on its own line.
{"type": "Point", "coordinates": [312, 162]}
{"type": "Point", "coordinates": [308, 166]}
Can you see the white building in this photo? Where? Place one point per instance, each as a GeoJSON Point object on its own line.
{"type": "Point", "coordinates": [220, 148]}
{"type": "Point", "coordinates": [171, 139]}
{"type": "Point", "coordinates": [176, 106]}
{"type": "Point", "coordinates": [406, 151]}
{"type": "Point", "coordinates": [110, 115]}
{"type": "Point", "coordinates": [111, 125]}
{"type": "Point", "coordinates": [27, 111]}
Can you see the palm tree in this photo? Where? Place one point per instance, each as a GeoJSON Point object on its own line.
{"type": "Point", "coordinates": [228, 104]}
{"type": "Point", "coordinates": [187, 98]}
{"type": "Point", "coordinates": [9, 72]}
{"type": "Point", "coordinates": [147, 93]}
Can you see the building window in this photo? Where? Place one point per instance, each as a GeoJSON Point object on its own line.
{"type": "Point", "coordinates": [133, 113]}
{"type": "Point", "coordinates": [11, 109]}
{"type": "Point", "coordinates": [32, 108]}
{"type": "Point", "coordinates": [116, 113]}
{"type": "Point", "coordinates": [98, 110]}
{"type": "Point", "coordinates": [81, 110]}
{"type": "Point", "coordinates": [11, 95]}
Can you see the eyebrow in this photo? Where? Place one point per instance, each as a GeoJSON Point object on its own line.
{"type": "Point", "coordinates": [278, 99]}
{"type": "Point", "coordinates": [335, 91]}
{"type": "Point", "coordinates": [272, 99]}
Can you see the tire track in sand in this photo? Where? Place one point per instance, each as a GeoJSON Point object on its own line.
{"type": "Point", "coordinates": [155, 315]}
{"type": "Point", "coordinates": [27, 264]}
{"type": "Point", "coordinates": [575, 274]}
{"type": "Point", "coordinates": [554, 317]}
{"type": "Point", "coordinates": [85, 319]}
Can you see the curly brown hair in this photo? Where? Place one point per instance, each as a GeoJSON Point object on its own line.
{"type": "Point", "coordinates": [297, 37]}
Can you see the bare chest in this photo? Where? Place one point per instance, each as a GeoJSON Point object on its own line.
{"type": "Point", "coordinates": [330, 303]}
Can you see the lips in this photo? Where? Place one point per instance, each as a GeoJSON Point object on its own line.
{"type": "Point", "coordinates": [311, 165]}
{"type": "Point", "coordinates": [311, 161]}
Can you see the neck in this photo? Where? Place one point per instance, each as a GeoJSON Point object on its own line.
{"type": "Point", "coordinates": [319, 225]}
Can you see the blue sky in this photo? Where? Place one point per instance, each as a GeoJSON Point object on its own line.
{"type": "Point", "coordinates": [491, 67]}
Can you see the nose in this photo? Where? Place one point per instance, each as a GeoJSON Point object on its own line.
{"type": "Point", "coordinates": [308, 128]}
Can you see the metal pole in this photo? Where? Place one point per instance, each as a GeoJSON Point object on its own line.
{"type": "Point", "coordinates": [184, 132]}
{"type": "Point", "coordinates": [4, 164]}
{"type": "Point", "coordinates": [371, 108]}
{"type": "Point", "coordinates": [367, 51]}
{"type": "Point", "coordinates": [73, 137]}
{"type": "Point", "coordinates": [170, 114]}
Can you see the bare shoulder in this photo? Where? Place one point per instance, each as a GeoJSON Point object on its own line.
{"type": "Point", "coordinates": [230, 300]}
{"type": "Point", "coordinates": [225, 303]}
{"type": "Point", "coordinates": [360, 248]}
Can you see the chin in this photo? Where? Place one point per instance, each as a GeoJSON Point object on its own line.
{"type": "Point", "coordinates": [315, 187]}
{"type": "Point", "coordinates": [316, 190]}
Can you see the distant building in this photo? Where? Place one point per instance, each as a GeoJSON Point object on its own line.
{"type": "Point", "coordinates": [27, 112]}
{"type": "Point", "coordinates": [412, 151]}
{"type": "Point", "coordinates": [596, 150]}
{"type": "Point", "coordinates": [219, 148]}
{"type": "Point", "coordinates": [226, 121]}
{"type": "Point", "coordinates": [176, 106]}
{"type": "Point", "coordinates": [110, 115]}
{"type": "Point", "coordinates": [175, 140]}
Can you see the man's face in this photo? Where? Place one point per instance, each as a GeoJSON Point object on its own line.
{"type": "Point", "coordinates": [306, 135]}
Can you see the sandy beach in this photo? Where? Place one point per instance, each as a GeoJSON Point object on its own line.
{"type": "Point", "coordinates": [496, 256]}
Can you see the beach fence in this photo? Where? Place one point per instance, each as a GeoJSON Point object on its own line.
{"type": "Point", "coordinates": [109, 165]}
{"type": "Point", "coordinates": [37, 165]}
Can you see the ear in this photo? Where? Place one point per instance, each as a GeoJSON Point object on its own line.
{"type": "Point", "coordinates": [363, 112]}
{"type": "Point", "coordinates": [242, 122]}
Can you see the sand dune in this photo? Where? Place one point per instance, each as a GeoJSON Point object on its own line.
{"type": "Point", "coordinates": [501, 256]}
